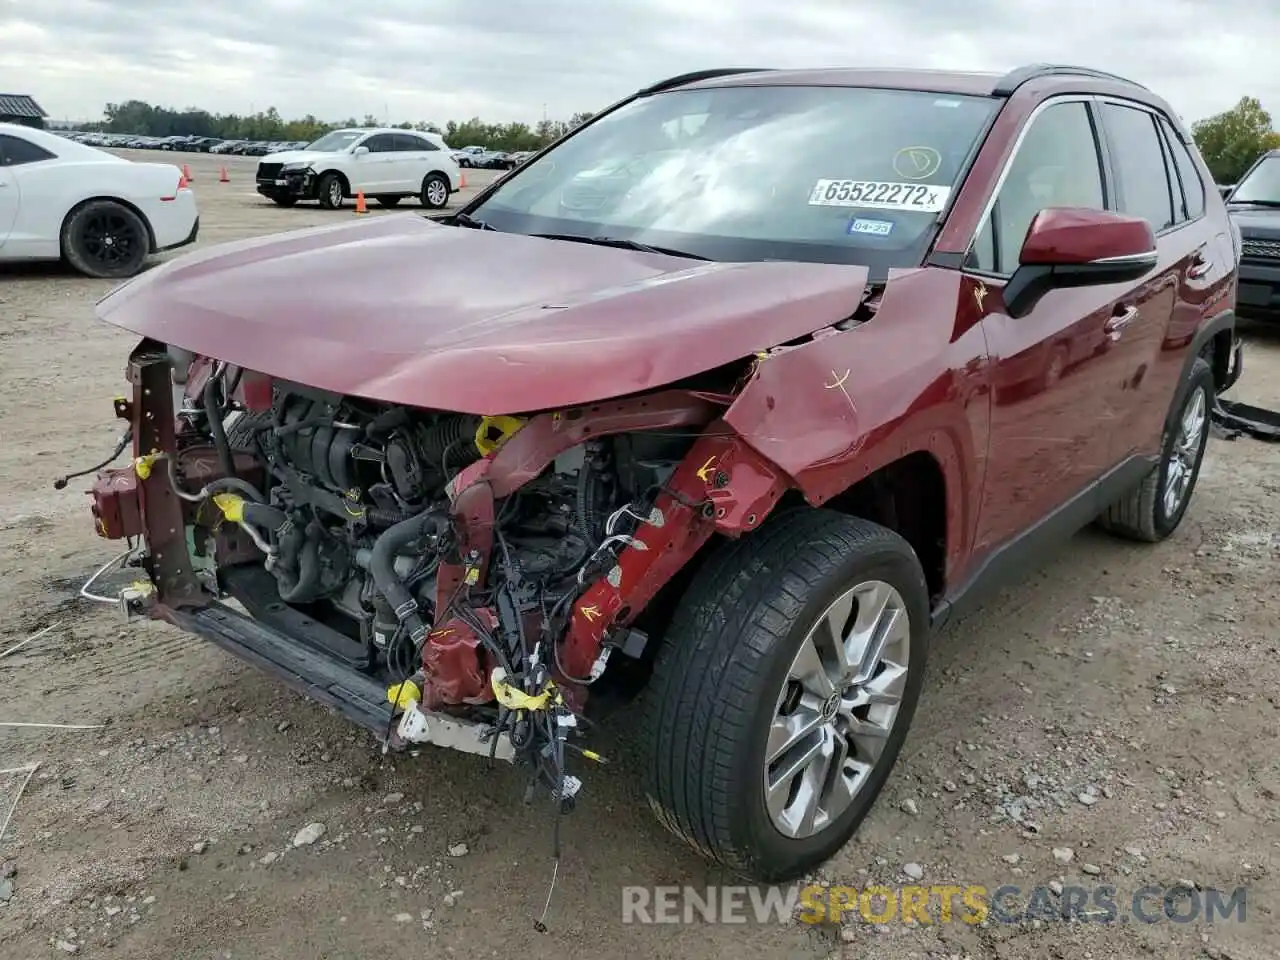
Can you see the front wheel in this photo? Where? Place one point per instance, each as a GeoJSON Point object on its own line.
{"type": "Point", "coordinates": [435, 191]}
{"type": "Point", "coordinates": [105, 239]}
{"type": "Point", "coordinates": [1154, 509]}
{"type": "Point", "coordinates": [783, 691]}
{"type": "Point", "coordinates": [330, 191]}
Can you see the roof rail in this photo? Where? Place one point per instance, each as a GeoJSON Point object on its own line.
{"type": "Point", "coordinates": [697, 75]}
{"type": "Point", "coordinates": [1015, 78]}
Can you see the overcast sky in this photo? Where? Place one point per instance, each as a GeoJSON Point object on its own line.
{"type": "Point", "coordinates": [510, 59]}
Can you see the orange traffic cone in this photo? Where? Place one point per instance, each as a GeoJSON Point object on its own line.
{"type": "Point", "coordinates": [462, 180]}
{"type": "Point", "coordinates": [222, 176]}
{"type": "Point", "coordinates": [183, 182]}
{"type": "Point", "coordinates": [186, 172]}
{"type": "Point", "coordinates": [360, 206]}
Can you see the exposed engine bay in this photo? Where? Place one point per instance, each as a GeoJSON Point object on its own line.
{"type": "Point", "coordinates": [486, 572]}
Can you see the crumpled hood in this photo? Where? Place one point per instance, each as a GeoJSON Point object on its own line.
{"type": "Point", "coordinates": [404, 310]}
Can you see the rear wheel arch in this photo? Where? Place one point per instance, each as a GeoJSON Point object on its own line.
{"type": "Point", "coordinates": [151, 233]}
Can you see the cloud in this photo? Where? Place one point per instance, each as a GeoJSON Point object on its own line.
{"type": "Point", "coordinates": [515, 59]}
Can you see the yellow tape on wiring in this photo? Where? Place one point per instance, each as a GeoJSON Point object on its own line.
{"type": "Point", "coordinates": [515, 699]}
{"type": "Point", "coordinates": [232, 506]}
{"type": "Point", "coordinates": [142, 465]}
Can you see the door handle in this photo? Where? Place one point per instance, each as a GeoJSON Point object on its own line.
{"type": "Point", "coordinates": [1119, 320]}
{"type": "Point", "coordinates": [1200, 267]}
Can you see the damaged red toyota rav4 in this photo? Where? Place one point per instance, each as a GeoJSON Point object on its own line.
{"type": "Point", "coordinates": [723, 403]}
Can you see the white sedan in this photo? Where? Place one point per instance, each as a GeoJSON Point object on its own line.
{"type": "Point", "coordinates": [100, 213]}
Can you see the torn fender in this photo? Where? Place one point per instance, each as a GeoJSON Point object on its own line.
{"type": "Point", "coordinates": [913, 378]}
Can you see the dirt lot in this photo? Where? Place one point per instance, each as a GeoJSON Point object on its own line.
{"type": "Point", "coordinates": [1121, 703]}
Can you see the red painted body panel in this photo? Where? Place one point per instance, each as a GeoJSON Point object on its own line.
{"type": "Point", "coordinates": [1019, 415]}
{"type": "Point", "coordinates": [392, 309]}
{"type": "Point", "coordinates": [1066, 235]}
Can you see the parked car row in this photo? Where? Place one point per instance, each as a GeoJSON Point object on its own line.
{"type": "Point", "coordinates": [486, 159]}
{"type": "Point", "coordinates": [185, 144]}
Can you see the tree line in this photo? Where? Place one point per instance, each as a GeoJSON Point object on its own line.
{"type": "Point", "coordinates": [1229, 141]}
{"type": "Point", "coordinates": [140, 118]}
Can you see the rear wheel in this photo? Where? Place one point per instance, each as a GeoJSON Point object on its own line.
{"type": "Point", "coordinates": [783, 691]}
{"type": "Point", "coordinates": [331, 191]}
{"type": "Point", "coordinates": [105, 239]}
{"type": "Point", "coordinates": [435, 191]}
{"type": "Point", "coordinates": [387, 200]}
{"type": "Point", "coordinates": [1155, 508]}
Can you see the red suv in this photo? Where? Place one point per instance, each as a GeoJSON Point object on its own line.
{"type": "Point", "coordinates": [724, 402]}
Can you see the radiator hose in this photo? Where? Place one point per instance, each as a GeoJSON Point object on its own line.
{"type": "Point", "coordinates": [382, 559]}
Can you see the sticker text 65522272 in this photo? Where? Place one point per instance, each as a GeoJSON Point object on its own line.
{"type": "Point", "coordinates": [880, 195]}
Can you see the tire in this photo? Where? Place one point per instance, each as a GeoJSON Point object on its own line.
{"type": "Point", "coordinates": [722, 680]}
{"type": "Point", "coordinates": [105, 239]}
{"type": "Point", "coordinates": [435, 191]}
{"type": "Point", "coordinates": [331, 191]}
{"type": "Point", "coordinates": [1147, 514]}
{"type": "Point", "coordinates": [284, 201]}
{"type": "Point", "coordinates": [388, 200]}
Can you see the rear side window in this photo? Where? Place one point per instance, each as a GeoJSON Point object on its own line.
{"type": "Point", "coordinates": [15, 151]}
{"type": "Point", "coordinates": [407, 142]}
{"type": "Point", "coordinates": [1188, 174]}
{"type": "Point", "coordinates": [1139, 162]}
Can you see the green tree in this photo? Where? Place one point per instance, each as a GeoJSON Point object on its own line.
{"type": "Point", "coordinates": [1232, 140]}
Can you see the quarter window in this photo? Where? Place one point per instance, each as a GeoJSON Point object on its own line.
{"type": "Point", "coordinates": [1188, 174]}
{"type": "Point", "coordinates": [1139, 162]}
{"type": "Point", "coordinates": [15, 151]}
{"type": "Point", "coordinates": [1057, 165]}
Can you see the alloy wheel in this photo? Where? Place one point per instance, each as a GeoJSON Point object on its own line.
{"type": "Point", "coordinates": [837, 708]}
{"type": "Point", "coordinates": [110, 239]}
{"type": "Point", "coordinates": [1186, 450]}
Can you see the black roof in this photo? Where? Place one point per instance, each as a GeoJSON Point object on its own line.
{"type": "Point", "coordinates": [20, 105]}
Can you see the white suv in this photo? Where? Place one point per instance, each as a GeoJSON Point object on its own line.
{"type": "Point", "coordinates": [382, 163]}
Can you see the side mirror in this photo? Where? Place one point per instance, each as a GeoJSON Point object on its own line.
{"type": "Point", "coordinates": [1078, 247]}
{"type": "Point", "coordinates": [1225, 189]}
{"type": "Point", "coordinates": [360, 151]}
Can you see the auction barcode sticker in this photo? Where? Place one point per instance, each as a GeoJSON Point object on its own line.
{"type": "Point", "coordinates": [880, 195]}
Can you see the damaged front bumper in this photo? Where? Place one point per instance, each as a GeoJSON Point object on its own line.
{"type": "Point", "coordinates": [288, 184]}
{"type": "Point", "coordinates": [356, 696]}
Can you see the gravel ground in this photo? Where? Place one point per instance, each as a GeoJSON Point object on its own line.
{"type": "Point", "coordinates": [1111, 720]}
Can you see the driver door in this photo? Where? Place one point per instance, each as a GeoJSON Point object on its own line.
{"type": "Point", "coordinates": [9, 193]}
{"type": "Point", "coordinates": [1051, 408]}
{"type": "Point", "coordinates": [377, 169]}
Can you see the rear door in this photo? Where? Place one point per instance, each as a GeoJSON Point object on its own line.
{"type": "Point", "coordinates": [1051, 411]}
{"type": "Point", "coordinates": [1147, 343]}
{"type": "Point", "coordinates": [415, 154]}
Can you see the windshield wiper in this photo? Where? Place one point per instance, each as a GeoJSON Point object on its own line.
{"type": "Point", "coordinates": [621, 244]}
{"type": "Point", "coordinates": [466, 220]}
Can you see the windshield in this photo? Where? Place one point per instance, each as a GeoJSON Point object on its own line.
{"type": "Point", "coordinates": [828, 174]}
{"type": "Point", "coordinates": [1261, 184]}
{"type": "Point", "coordinates": [336, 141]}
